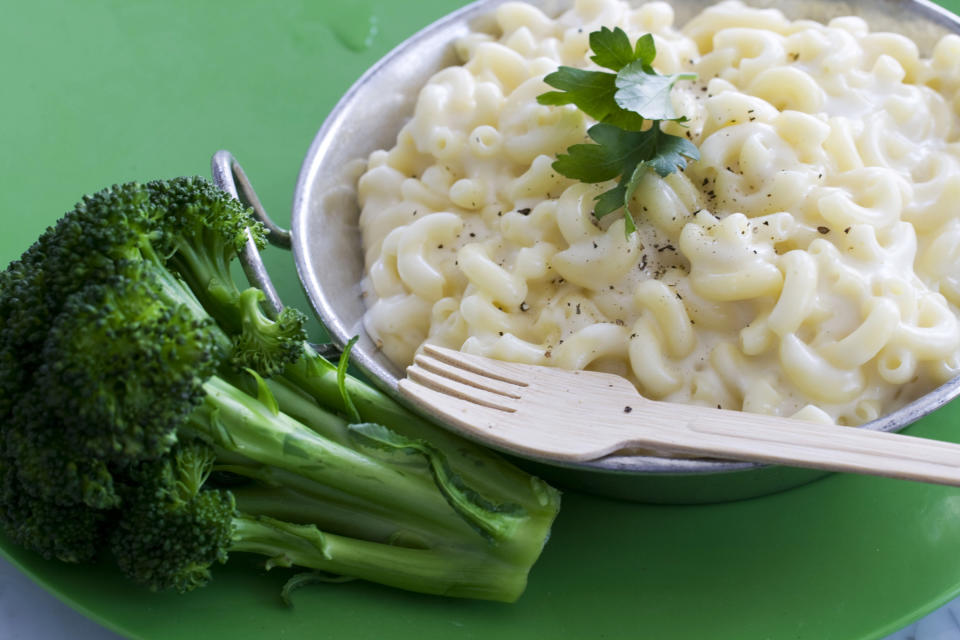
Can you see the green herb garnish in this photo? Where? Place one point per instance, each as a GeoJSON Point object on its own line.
{"type": "Point", "coordinates": [629, 106]}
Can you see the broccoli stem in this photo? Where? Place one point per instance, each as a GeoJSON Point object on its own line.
{"type": "Point", "coordinates": [242, 424]}
{"type": "Point", "coordinates": [206, 270]}
{"type": "Point", "coordinates": [449, 572]}
{"type": "Point", "coordinates": [295, 402]}
{"type": "Point", "coordinates": [305, 502]}
{"type": "Point", "coordinates": [315, 378]}
{"type": "Point", "coordinates": [249, 304]}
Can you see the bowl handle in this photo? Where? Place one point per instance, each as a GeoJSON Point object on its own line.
{"type": "Point", "coordinates": [229, 176]}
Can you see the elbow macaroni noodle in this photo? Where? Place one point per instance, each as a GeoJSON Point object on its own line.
{"type": "Point", "coordinates": [808, 265]}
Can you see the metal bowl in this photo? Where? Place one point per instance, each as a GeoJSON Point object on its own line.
{"type": "Point", "coordinates": [327, 251]}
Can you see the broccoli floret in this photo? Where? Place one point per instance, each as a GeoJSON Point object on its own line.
{"type": "Point", "coordinates": [127, 367]}
{"type": "Point", "coordinates": [267, 346]}
{"type": "Point", "coordinates": [170, 531]}
{"type": "Point", "coordinates": [94, 315]}
{"type": "Point", "coordinates": [86, 246]}
{"type": "Point", "coordinates": [67, 532]}
{"type": "Point", "coordinates": [49, 468]}
{"type": "Point", "coordinates": [142, 370]}
{"type": "Point", "coordinates": [205, 232]}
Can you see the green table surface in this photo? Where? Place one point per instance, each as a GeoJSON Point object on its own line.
{"type": "Point", "coordinates": [105, 91]}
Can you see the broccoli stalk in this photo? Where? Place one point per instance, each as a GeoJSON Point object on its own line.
{"type": "Point", "coordinates": [141, 373]}
{"type": "Point", "coordinates": [313, 381]}
{"type": "Point", "coordinates": [463, 573]}
{"type": "Point", "coordinates": [316, 378]}
{"type": "Point", "coordinates": [241, 424]}
{"type": "Point", "coordinates": [168, 501]}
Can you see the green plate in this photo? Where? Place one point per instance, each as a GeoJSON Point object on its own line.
{"type": "Point", "coordinates": [112, 90]}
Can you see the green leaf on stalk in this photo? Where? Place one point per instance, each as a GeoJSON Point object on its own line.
{"type": "Point", "coordinates": [493, 521]}
{"type": "Point", "coordinates": [342, 365]}
{"type": "Point", "coordinates": [264, 394]}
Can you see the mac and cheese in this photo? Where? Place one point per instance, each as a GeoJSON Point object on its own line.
{"type": "Point", "coordinates": [807, 265]}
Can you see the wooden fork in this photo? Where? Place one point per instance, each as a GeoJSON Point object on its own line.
{"type": "Point", "coordinates": [563, 415]}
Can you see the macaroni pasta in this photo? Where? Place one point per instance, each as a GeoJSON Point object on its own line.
{"type": "Point", "coordinates": [807, 265]}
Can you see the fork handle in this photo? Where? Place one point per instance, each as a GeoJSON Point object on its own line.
{"type": "Point", "coordinates": [758, 438]}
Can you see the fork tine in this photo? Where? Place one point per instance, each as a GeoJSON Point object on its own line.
{"type": "Point", "coordinates": [471, 420]}
{"type": "Point", "coordinates": [486, 367]}
{"type": "Point", "coordinates": [452, 410]}
{"type": "Point", "coordinates": [466, 376]}
{"type": "Point", "coordinates": [459, 390]}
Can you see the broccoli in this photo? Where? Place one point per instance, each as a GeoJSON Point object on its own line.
{"type": "Point", "coordinates": [153, 413]}
{"type": "Point", "coordinates": [168, 504]}
{"type": "Point", "coordinates": [70, 532]}
{"type": "Point", "coordinates": [208, 232]}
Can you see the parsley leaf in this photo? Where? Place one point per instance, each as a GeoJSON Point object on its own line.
{"type": "Point", "coordinates": [593, 92]}
{"type": "Point", "coordinates": [646, 50]}
{"type": "Point", "coordinates": [611, 200]}
{"type": "Point", "coordinates": [628, 106]}
{"type": "Point", "coordinates": [670, 153]}
{"type": "Point", "coordinates": [611, 48]}
{"type": "Point", "coordinates": [616, 151]}
{"type": "Point", "coordinates": [641, 91]}
{"type": "Point", "coordinates": [623, 153]}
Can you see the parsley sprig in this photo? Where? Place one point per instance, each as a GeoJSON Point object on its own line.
{"type": "Point", "coordinates": [628, 105]}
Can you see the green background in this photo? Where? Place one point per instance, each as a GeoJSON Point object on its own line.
{"type": "Point", "coordinates": [106, 91]}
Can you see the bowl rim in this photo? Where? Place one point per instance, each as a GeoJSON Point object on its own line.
{"type": "Point", "coordinates": [386, 377]}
